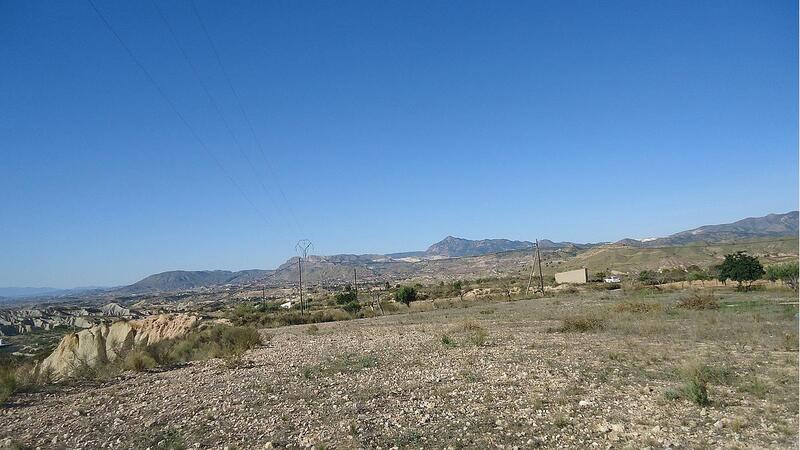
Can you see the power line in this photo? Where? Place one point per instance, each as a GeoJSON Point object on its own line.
{"type": "Point", "coordinates": [175, 109]}
{"type": "Point", "coordinates": [214, 103]}
{"type": "Point", "coordinates": [244, 113]}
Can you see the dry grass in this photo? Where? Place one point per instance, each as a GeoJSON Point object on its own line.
{"type": "Point", "coordinates": [636, 307]}
{"type": "Point", "coordinates": [698, 301]}
{"type": "Point", "coordinates": [581, 324]}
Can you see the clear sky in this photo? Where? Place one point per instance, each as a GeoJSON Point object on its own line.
{"type": "Point", "coordinates": [385, 126]}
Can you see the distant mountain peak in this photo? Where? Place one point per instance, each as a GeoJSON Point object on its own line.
{"type": "Point", "coordinates": [452, 247]}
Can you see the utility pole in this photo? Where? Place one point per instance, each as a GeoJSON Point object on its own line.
{"type": "Point", "coordinates": [300, 272]}
{"type": "Point", "coordinates": [530, 277]}
{"type": "Point", "coordinates": [539, 258]}
{"type": "Point", "coordinates": [355, 283]}
{"type": "Point", "coordinates": [302, 251]}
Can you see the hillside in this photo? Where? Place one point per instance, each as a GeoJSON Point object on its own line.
{"type": "Point", "coordinates": [772, 238]}
{"type": "Point", "coordinates": [771, 225]}
{"type": "Point", "coordinates": [178, 280]}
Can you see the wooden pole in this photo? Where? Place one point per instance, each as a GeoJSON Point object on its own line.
{"type": "Point", "coordinates": [355, 282]}
{"type": "Point", "coordinates": [300, 271]}
{"type": "Point", "coordinates": [530, 277]}
{"type": "Point", "coordinates": [539, 258]}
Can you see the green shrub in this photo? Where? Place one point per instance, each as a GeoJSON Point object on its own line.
{"type": "Point", "coordinates": [352, 307]}
{"type": "Point", "coordinates": [697, 375]}
{"type": "Point", "coordinates": [138, 360]}
{"type": "Point", "coordinates": [8, 384]}
{"type": "Point", "coordinates": [406, 294]}
{"type": "Point", "coordinates": [696, 391]}
{"type": "Point", "coordinates": [219, 341]}
{"type": "Point", "coordinates": [447, 341]}
{"type": "Point", "coordinates": [672, 394]}
{"type": "Point", "coordinates": [343, 298]}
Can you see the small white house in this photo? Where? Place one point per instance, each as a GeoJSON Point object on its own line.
{"type": "Point", "coordinates": [611, 279]}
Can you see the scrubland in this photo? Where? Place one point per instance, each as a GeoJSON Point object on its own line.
{"type": "Point", "coordinates": [626, 368]}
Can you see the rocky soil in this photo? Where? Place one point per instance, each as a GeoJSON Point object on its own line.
{"type": "Point", "coordinates": [490, 376]}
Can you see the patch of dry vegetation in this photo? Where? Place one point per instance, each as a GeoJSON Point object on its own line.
{"type": "Point", "coordinates": [636, 307]}
{"type": "Point", "coordinates": [698, 301]}
{"type": "Point", "coordinates": [581, 324]}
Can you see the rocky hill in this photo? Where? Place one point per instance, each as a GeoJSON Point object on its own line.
{"type": "Point", "coordinates": [179, 280]}
{"type": "Point", "coordinates": [456, 247]}
{"type": "Point", "coordinates": [771, 225]}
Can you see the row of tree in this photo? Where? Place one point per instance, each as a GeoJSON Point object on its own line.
{"type": "Point", "coordinates": [740, 267]}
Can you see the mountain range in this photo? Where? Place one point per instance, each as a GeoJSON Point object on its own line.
{"type": "Point", "coordinates": [407, 263]}
{"type": "Point", "coordinates": [771, 225]}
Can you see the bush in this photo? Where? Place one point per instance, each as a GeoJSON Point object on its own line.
{"type": "Point", "coordinates": [582, 324]}
{"type": "Point", "coordinates": [698, 302]}
{"type": "Point", "coordinates": [697, 375]}
{"type": "Point", "coordinates": [219, 341]}
{"type": "Point", "coordinates": [447, 341]}
{"type": "Point", "coordinates": [138, 360]}
{"type": "Point", "coordinates": [648, 277]}
{"type": "Point", "coordinates": [697, 392]}
{"type": "Point", "coordinates": [406, 294]}
{"type": "Point", "coordinates": [352, 307]}
{"type": "Point", "coordinates": [8, 384]}
{"type": "Point", "coordinates": [343, 298]}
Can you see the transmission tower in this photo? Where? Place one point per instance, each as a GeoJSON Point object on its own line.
{"type": "Point", "coordinates": [302, 247]}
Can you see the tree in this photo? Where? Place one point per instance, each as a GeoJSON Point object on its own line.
{"type": "Point", "coordinates": [697, 275]}
{"type": "Point", "coordinates": [648, 277]}
{"type": "Point", "coordinates": [599, 276]}
{"type": "Point", "coordinates": [458, 288]}
{"type": "Point", "coordinates": [346, 297]}
{"type": "Point", "coordinates": [406, 294]}
{"type": "Point", "coordinates": [786, 272]}
{"type": "Point", "coordinates": [741, 268]}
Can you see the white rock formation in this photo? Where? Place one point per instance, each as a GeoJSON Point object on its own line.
{"type": "Point", "coordinates": [104, 343]}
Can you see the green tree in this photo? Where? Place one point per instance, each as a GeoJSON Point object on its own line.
{"type": "Point", "coordinates": [406, 294]}
{"type": "Point", "coordinates": [741, 268]}
{"type": "Point", "coordinates": [697, 274]}
{"type": "Point", "coordinates": [352, 307]}
{"type": "Point", "coordinates": [648, 277]}
{"type": "Point", "coordinates": [458, 289]}
{"type": "Point", "coordinates": [786, 272]}
{"type": "Point", "coordinates": [346, 297]}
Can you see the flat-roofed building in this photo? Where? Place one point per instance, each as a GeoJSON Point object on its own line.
{"type": "Point", "coordinates": [578, 276]}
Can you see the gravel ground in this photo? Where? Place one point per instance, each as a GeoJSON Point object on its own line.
{"type": "Point", "coordinates": [491, 376]}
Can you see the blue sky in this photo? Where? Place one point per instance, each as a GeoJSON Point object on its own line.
{"type": "Point", "coordinates": [385, 127]}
